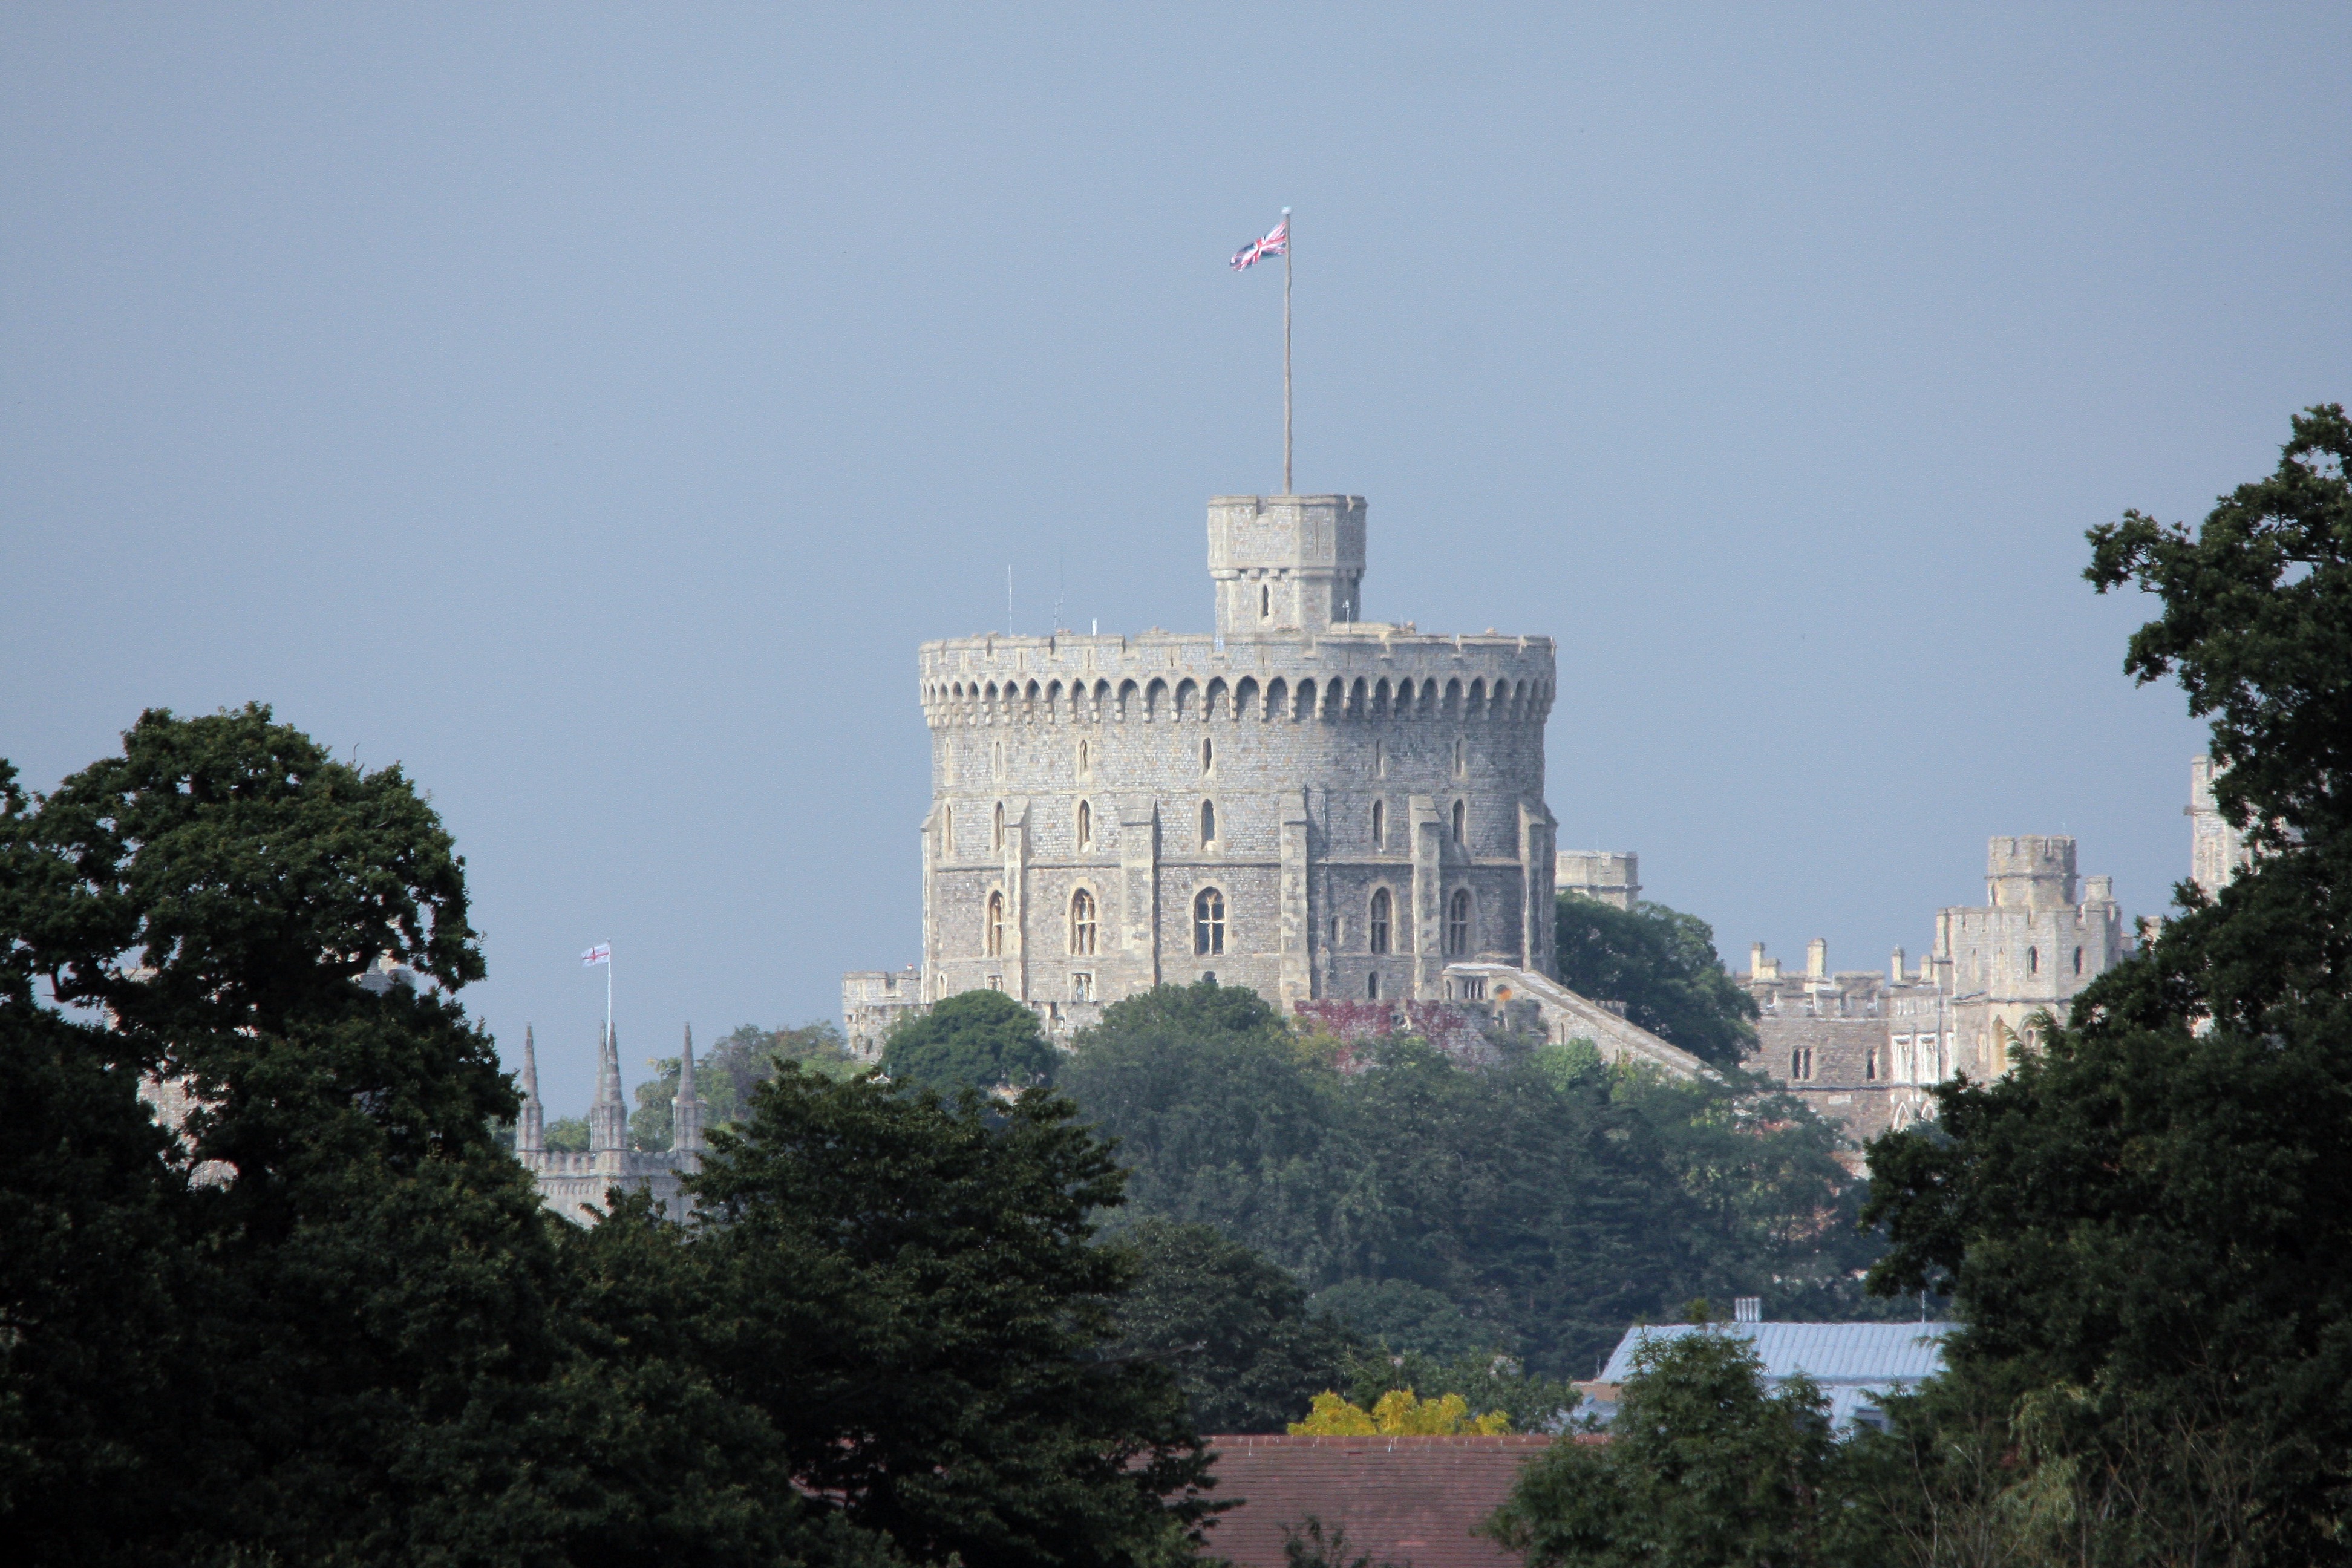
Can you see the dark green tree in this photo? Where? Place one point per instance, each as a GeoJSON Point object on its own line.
{"type": "Point", "coordinates": [95, 1263]}
{"type": "Point", "coordinates": [2147, 1225]}
{"type": "Point", "coordinates": [975, 1039]}
{"type": "Point", "coordinates": [912, 1291]}
{"type": "Point", "coordinates": [1549, 1200]}
{"type": "Point", "coordinates": [1702, 1468]}
{"type": "Point", "coordinates": [1233, 1327]}
{"type": "Point", "coordinates": [1662, 965]}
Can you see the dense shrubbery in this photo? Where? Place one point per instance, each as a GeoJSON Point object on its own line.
{"type": "Point", "coordinates": [1533, 1209]}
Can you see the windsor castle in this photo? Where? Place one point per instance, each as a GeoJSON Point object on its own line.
{"type": "Point", "coordinates": [1347, 816]}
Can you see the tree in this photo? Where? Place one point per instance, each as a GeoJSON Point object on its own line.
{"type": "Point", "coordinates": [370, 1269]}
{"type": "Point", "coordinates": [912, 1291]}
{"type": "Point", "coordinates": [1702, 1468]}
{"type": "Point", "coordinates": [1545, 1203]}
{"type": "Point", "coordinates": [1398, 1413]}
{"type": "Point", "coordinates": [2148, 1224]}
{"type": "Point", "coordinates": [1233, 1327]}
{"type": "Point", "coordinates": [1662, 965]}
{"type": "Point", "coordinates": [978, 1039]}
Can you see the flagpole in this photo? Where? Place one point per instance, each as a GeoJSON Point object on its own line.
{"type": "Point", "coordinates": [1289, 238]}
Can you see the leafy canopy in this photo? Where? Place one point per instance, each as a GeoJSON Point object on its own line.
{"type": "Point", "coordinates": [1704, 1468]}
{"type": "Point", "coordinates": [974, 1040]}
{"type": "Point", "coordinates": [1662, 965]}
{"type": "Point", "coordinates": [1232, 1326]}
{"type": "Point", "coordinates": [1532, 1208]}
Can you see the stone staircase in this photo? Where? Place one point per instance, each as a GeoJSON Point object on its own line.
{"type": "Point", "coordinates": [1566, 1016]}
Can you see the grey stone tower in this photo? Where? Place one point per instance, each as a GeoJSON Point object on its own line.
{"type": "Point", "coordinates": [1305, 801]}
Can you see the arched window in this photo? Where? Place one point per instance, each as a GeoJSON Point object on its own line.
{"type": "Point", "coordinates": [2032, 961]}
{"type": "Point", "coordinates": [1457, 923]}
{"type": "Point", "coordinates": [947, 833]}
{"type": "Point", "coordinates": [1082, 924]}
{"type": "Point", "coordinates": [1208, 922]}
{"type": "Point", "coordinates": [1380, 825]}
{"type": "Point", "coordinates": [1208, 823]}
{"type": "Point", "coordinates": [1265, 601]}
{"type": "Point", "coordinates": [1381, 908]}
{"type": "Point", "coordinates": [2078, 961]}
{"type": "Point", "coordinates": [996, 758]}
{"type": "Point", "coordinates": [1085, 826]}
{"type": "Point", "coordinates": [1086, 761]}
{"type": "Point", "coordinates": [998, 841]}
{"type": "Point", "coordinates": [996, 925]}
{"type": "Point", "coordinates": [1870, 1064]}
{"type": "Point", "coordinates": [1208, 756]}
{"type": "Point", "coordinates": [1379, 759]}
{"type": "Point", "coordinates": [1461, 760]}
{"type": "Point", "coordinates": [1372, 986]}
{"type": "Point", "coordinates": [1461, 822]}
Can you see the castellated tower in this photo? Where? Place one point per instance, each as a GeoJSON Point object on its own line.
{"type": "Point", "coordinates": [1304, 802]}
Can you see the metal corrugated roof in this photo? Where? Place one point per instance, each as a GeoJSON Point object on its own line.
{"type": "Point", "coordinates": [1882, 1354]}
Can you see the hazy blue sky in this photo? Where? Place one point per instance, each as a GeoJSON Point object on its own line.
{"type": "Point", "coordinates": [592, 408]}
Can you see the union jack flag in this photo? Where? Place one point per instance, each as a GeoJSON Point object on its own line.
{"type": "Point", "coordinates": [1256, 250]}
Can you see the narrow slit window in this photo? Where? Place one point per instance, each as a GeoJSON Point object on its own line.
{"type": "Point", "coordinates": [1265, 601]}
{"type": "Point", "coordinates": [1461, 822]}
{"type": "Point", "coordinates": [997, 841]}
{"type": "Point", "coordinates": [1208, 823]}
{"type": "Point", "coordinates": [996, 925]}
{"type": "Point", "coordinates": [1380, 825]}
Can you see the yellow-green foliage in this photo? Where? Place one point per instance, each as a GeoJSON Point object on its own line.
{"type": "Point", "coordinates": [1397, 1414]}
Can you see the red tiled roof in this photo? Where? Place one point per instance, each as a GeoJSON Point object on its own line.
{"type": "Point", "coordinates": [1399, 1498]}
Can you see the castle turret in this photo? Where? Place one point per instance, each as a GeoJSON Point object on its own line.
{"type": "Point", "coordinates": [1286, 563]}
{"type": "Point", "coordinates": [531, 1121]}
{"type": "Point", "coordinates": [685, 1110]}
{"type": "Point", "coordinates": [2031, 872]}
{"type": "Point", "coordinates": [608, 1118]}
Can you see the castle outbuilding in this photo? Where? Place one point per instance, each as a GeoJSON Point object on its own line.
{"type": "Point", "coordinates": [1302, 801]}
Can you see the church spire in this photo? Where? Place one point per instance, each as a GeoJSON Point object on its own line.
{"type": "Point", "coordinates": [608, 1118]}
{"type": "Point", "coordinates": [685, 1124]}
{"type": "Point", "coordinates": [531, 1121]}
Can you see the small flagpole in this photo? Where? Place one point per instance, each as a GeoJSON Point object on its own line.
{"type": "Point", "coordinates": [608, 991]}
{"type": "Point", "coordinates": [1289, 238]}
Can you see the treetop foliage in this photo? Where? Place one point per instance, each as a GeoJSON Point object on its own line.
{"type": "Point", "coordinates": [1398, 1413]}
{"type": "Point", "coordinates": [1662, 965]}
{"type": "Point", "coordinates": [2256, 626]}
{"type": "Point", "coordinates": [1704, 1468]}
{"type": "Point", "coordinates": [1547, 1201]}
{"type": "Point", "coordinates": [974, 1040]}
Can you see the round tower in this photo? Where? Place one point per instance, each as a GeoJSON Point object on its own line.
{"type": "Point", "coordinates": [1304, 802]}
